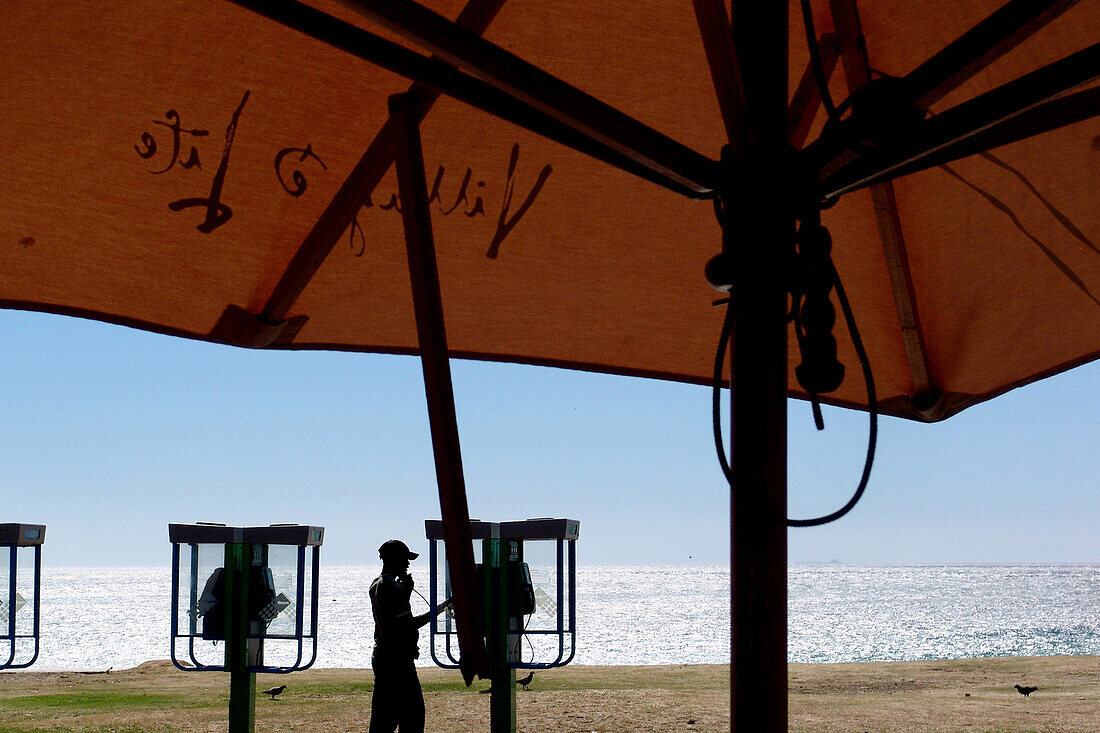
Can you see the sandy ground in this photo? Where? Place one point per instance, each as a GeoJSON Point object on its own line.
{"type": "Point", "coordinates": [906, 697]}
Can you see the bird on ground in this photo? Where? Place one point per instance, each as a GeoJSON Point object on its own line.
{"type": "Point", "coordinates": [523, 682]}
{"type": "Point", "coordinates": [274, 691]}
{"type": "Point", "coordinates": [1025, 691]}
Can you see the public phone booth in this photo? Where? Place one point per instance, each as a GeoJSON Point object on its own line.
{"type": "Point", "coordinates": [20, 579]}
{"type": "Point", "coordinates": [244, 600]}
{"type": "Point", "coordinates": [526, 575]}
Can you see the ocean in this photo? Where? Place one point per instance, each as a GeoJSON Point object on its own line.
{"type": "Point", "coordinates": [99, 618]}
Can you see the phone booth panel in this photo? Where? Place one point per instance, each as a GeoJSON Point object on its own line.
{"type": "Point", "coordinates": [244, 598]}
{"type": "Point", "coordinates": [20, 596]}
{"type": "Point", "coordinates": [543, 563]}
{"type": "Point", "coordinates": [526, 573]}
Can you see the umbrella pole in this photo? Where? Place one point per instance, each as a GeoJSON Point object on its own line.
{"type": "Point", "coordinates": [758, 532]}
{"type": "Point", "coordinates": [758, 231]}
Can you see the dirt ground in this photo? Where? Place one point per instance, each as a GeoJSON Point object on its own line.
{"type": "Point", "coordinates": [904, 697]}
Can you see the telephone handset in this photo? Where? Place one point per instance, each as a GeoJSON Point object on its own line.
{"type": "Point", "coordinates": [521, 590]}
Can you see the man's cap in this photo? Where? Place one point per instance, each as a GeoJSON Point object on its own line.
{"type": "Point", "coordinates": [396, 549]}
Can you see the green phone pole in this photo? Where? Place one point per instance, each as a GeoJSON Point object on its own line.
{"type": "Point", "coordinates": [242, 683]}
{"type": "Point", "coordinates": [502, 702]}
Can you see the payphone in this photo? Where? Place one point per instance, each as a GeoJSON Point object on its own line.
{"type": "Point", "coordinates": [19, 618]}
{"type": "Point", "coordinates": [253, 603]}
{"type": "Point", "coordinates": [521, 589]}
{"type": "Point", "coordinates": [258, 583]}
{"type": "Point", "coordinates": [526, 626]}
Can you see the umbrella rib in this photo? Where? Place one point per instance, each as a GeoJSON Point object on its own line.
{"type": "Point", "coordinates": [983, 44]}
{"type": "Point", "coordinates": [541, 91]}
{"type": "Point", "coordinates": [858, 72]}
{"type": "Point", "coordinates": [729, 86]}
{"type": "Point", "coordinates": [945, 71]}
{"type": "Point", "coordinates": [806, 100]}
{"type": "Point", "coordinates": [965, 120]}
{"type": "Point", "coordinates": [1042, 118]}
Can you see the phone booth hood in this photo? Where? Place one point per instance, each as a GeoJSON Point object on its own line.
{"type": "Point", "coordinates": [251, 582]}
{"type": "Point", "coordinates": [19, 619]}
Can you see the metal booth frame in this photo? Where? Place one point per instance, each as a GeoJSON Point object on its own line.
{"type": "Point", "coordinates": [14, 536]}
{"type": "Point", "coordinates": [235, 539]}
{"type": "Point", "coordinates": [564, 533]}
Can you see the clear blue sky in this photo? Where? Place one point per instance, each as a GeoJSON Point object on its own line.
{"type": "Point", "coordinates": [108, 434]}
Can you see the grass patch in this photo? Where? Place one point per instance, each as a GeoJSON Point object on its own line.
{"type": "Point", "coordinates": [451, 686]}
{"type": "Point", "coordinates": [360, 688]}
{"type": "Point", "coordinates": [323, 689]}
{"type": "Point", "coordinates": [901, 697]}
{"type": "Point", "coordinates": [99, 701]}
{"type": "Point", "coordinates": [694, 678]}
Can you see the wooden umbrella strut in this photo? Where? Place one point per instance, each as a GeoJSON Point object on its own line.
{"type": "Point", "coordinates": [431, 332]}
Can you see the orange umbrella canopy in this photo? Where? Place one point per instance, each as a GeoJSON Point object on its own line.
{"type": "Point", "coordinates": [164, 162]}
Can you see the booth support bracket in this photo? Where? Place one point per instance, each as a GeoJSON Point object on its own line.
{"type": "Point", "coordinates": [502, 700]}
{"type": "Point", "coordinates": [242, 682]}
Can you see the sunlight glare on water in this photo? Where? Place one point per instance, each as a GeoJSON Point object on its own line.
{"type": "Point", "coordinates": [95, 618]}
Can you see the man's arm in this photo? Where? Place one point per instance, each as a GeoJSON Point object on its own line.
{"type": "Point", "coordinates": [424, 618]}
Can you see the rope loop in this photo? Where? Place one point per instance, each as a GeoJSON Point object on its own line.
{"type": "Point", "coordinates": [813, 278]}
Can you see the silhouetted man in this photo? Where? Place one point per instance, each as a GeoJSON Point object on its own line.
{"type": "Point", "coordinates": [397, 699]}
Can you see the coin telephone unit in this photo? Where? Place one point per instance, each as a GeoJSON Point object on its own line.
{"type": "Point", "coordinates": [526, 575]}
{"type": "Point", "coordinates": [520, 591]}
{"type": "Point", "coordinates": [244, 599]}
